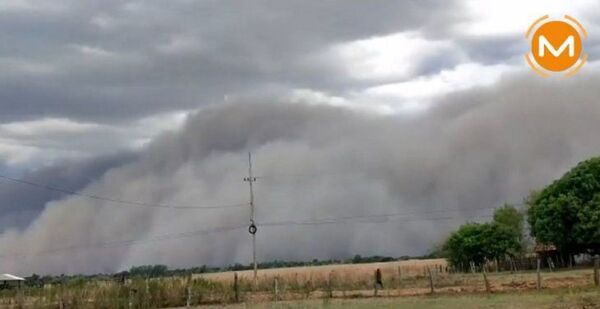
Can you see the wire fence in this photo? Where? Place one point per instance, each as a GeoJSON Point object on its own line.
{"type": "Point", "coordinates": [390, 279]}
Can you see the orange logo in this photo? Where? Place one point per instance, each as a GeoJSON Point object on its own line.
{"type": "Point", "coordinates": [556, 46]}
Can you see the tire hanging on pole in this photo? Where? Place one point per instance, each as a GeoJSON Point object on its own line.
{"type": "Point", "coordinates": [252, 229]}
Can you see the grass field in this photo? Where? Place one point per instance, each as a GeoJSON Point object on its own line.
{"type": "Point", "coordinates": [406, 284]}
{"type": "Point", "coordinates": [552, 299]}
{"type": "Point", "coordinates": [345, 272]}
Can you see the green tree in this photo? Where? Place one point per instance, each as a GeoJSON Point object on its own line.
{"type": "Point", "coordinates": [466, 245]}
{"type": "Point", "coordinates": [509, 216]}
{"type": "Point", "coordinates": [478, 242]}
{"type": "Point", "coordinates": [567, 212]}
{"type": "Point", "coordinates": [514, 220]}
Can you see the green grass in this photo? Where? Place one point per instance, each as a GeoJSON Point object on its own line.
{"type": "Point", "coordinates": [563, 298]}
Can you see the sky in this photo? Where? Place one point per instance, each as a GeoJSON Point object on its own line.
{"type": "Point", "coordinates": [422, 110]}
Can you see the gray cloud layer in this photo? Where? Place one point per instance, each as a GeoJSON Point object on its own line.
{"type": "Point", "coordinates": [116, 60]}
{"type": "Point", "coordinates": [475, 149]}
{"type": "Point", "coordinates": [20, 204]}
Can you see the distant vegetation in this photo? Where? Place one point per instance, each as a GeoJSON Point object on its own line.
{"type": "Point", "coordinates": [157, 271]}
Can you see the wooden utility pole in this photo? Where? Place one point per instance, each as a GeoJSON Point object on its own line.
{"type": "Point", "coordinates": [252, 228]}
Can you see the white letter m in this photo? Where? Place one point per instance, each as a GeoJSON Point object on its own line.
{"type": "Point", "coordinates": [543, 44]}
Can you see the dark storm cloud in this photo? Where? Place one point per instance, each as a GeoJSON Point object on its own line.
{"type": "Point", "coordinates": [474, 149]}
{"type": "Point", "coordinates": [118, 60]}
{"type": "Point", "coordinates": [20, 204]}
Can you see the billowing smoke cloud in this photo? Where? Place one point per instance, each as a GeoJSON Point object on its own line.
{"type": "Point", "coordinates": [473, 150]}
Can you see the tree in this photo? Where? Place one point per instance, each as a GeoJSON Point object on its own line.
{"type": "Point", "coordinates": [478, 242]}
{"type": "Point", "coordinates": [567, 212]}
{"type": "Point", "coordinates": [466, 245]}
{"type": "Point", "coordinates": [511, 218]}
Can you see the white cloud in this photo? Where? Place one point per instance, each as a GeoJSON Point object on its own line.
{"type": "Point", "coordinates": [515, 16]}
{"type": "Point", "coordinates": [41, 141]}
{"type": "Point", "coordinates": [46, 126]}
{"type": "Point", "coordinates": [180, 44]}
{"type": "Point", "coordinates": [29, 5]}
{"type": "Point", "coordinates": [463, 76]}
{"type": "Point", "coordinates": [315, 97]}
{"type": "Point", "coordinates": [388, 57]}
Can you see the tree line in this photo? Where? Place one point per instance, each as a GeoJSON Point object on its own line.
{"type": "Point", "coordinates": [564, 215]}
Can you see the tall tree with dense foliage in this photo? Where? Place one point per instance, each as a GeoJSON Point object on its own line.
{"type": "Point", "coordinates": [567, 212]}
{"type": "Point", "coordinates": [478, 242]}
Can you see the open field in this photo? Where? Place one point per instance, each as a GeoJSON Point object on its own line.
{"type": "Point", "coordinates": [351, 272]}
{"type": "Point", "coordinates": [406, 283]}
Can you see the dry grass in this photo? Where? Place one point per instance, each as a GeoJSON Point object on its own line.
{"type": "Point", "coordinates": [339, 272]}
{"type": "Point", "coordinates": [333, 282]}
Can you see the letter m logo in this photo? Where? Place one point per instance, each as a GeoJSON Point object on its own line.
{"type": "Point", "coordinates": [545, 44]}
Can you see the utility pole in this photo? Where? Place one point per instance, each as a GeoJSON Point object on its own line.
{"type": "Point", "coordinates": [252, 228]}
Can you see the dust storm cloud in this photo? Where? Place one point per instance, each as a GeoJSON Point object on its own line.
{"type": "Point", "coordinates": [471, 150]}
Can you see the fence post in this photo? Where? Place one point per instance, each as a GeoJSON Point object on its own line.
{"type": "Point", "coordinates": [430, 280]}
{"type": "Point", "coordinates": [596, 266]}
{"type": "Point", "coordinates": [236, 288]}
{"type": "Point", "coordinates": [61, 302]}
{"type": "Point", "coordinates": [188, 291]}
{"type": "Point", "coordinates": [375, 283]}
{"type": "Point", "coordinates": [550, 264]}
{"type": "Point", "coordinates": [276, 288]}
{"type": "Point", "coordinates": [539, 276]}
{"type": "Point", "coordinates": [399, 276]}
{"type": "Point", "coordinates": [487, 283]}
{"type": "Point", "coordinates": [147, 297]}
{"type": "Point", "coordinates": [330, 285]}
{"type": "Point", "coordinates": [570, 260]}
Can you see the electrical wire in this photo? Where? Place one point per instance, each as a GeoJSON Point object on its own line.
{"type": "Point", "coordinates": [131, 242]}
{"type": "Point", "coordinates": [114, 200]}
{"type": "Point", "coordinates": [117, 243]}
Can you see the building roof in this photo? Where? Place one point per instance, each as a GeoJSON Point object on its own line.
{"type": "Point", "coordinates": [9, 277]}
{"type": "Point", "coordinates": [544, 248]}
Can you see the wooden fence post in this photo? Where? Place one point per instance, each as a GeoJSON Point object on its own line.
{"type": "Point", "coordinates": [330, 284]}
{"type": "Point", "coordinates": [236, 288]}
{"type": "Point", "coordinates": [276, 298]}
{"type": "Point", "coordinates": [399, 276]}
{"type": "Point", "coordinates": [61, 302]}
{"type": "Point", "coordinates": [570, 260]}
{"type": "Point", "coordinates": [550, 264]}
{"type": "Point", "coordinates": [188, 300]}
{"type": "Point", "coordinates": [487, 283]}
{"type": "Point", "coordinates": [596, 266]}
{"type": "Point", "coordinates": [430, 280]}
{"type": "Point", "coordinates": [375, 286]}
{"type": "Point", "coordinates": [539, 276]}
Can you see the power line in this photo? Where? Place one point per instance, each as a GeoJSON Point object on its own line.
{"type": "Point", "coordinates": [114, 200]}
{"type": "Point", "coordinates": [131, 242]}
{"type": "Point", "coordinates": [377, 216]}
{"type": "Point", "coordinates": [118, 243]}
